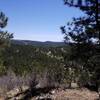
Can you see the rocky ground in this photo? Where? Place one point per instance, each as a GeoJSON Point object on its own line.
{"type": "Point", "coordinates": [69, 94]}
{"type": "Point", "coordinates": [54, 94]}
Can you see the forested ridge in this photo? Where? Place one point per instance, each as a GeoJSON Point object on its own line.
{"type": "Point", "coordinates": [46, 65]}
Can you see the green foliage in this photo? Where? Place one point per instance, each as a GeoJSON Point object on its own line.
{"type": "Point", "coordinates": [83, 55]}
{"type": "Point", "coordinates": [24, 59]}
{"type": "Point", "coordinates": [84, 28]}
{"type": "Point", "coordinates": [2, 68]}
{"type": "Point", "coordinates": [4, 40]}
{"type": "Point", "coordinates": [4, 36]}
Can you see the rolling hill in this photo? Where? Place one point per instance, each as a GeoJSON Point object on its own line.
{"type": "Point", "coordinates": [38, 43]}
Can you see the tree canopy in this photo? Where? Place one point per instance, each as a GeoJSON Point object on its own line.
{"type": "Point", "coordinates": [4, 35]}
{"type": "Point", "coordinates": [87, 27]}
{"type": "Point", "coordinates": [83, 33]}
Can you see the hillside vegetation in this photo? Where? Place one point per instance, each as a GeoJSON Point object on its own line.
{"type": "Point", "coordinates": [23, 59]}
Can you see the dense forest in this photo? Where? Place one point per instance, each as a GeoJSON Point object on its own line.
{"type": "Point", "coordinates": [57, 65]}
{"type": "Point", "coordinates": [23, 59]}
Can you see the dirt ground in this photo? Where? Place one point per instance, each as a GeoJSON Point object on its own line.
{"type": "Point", "coordinates": [67, 94]}
{"type": "Point", "coordinates": [76, 94]}
{"type": "Point", "coordinates": [73, 94]}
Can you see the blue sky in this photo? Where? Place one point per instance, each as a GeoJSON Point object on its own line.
{"type": "Point", "coordinates": [37, 19]}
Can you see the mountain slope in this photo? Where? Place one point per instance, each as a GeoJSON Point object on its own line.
{"type": "Point", "coordinates": [38, 43]}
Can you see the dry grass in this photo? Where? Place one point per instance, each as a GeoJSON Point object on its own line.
{"type": "Point", "coordinates": [75, 94]}
{"type": "Point", "coordinates": [11, 81]}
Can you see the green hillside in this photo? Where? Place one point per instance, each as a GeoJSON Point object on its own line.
{"type": "Point", "coordinates": [25, 58]}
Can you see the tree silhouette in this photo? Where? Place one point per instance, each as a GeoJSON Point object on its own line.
{"type": "Point", "coordinates": [87, 27]}
{"type": "Point", "coordinates": [81, 33]}
{"type": "Point", "coordinates": [4, 36]}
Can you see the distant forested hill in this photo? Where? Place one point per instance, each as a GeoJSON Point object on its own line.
{"type": "Point", "coordinates": [38, 43]}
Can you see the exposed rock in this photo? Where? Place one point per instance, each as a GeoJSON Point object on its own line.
{"type": "Point", "coordinates": [52, 92]}
{"type": "Point", "coordinates": [17, 93]}
{"type": "Point", "coordinates": [13, 92]}
{"type": "Point", "coordinates": [55, 94]}
{"type": "Point", "coordinates": [25, 88]}
{"type": "Point", "coordinates": [20, 97]}
{"type": "Point", "coordinates": [74, 85]}
{"type": "Point", "coordinates": [38, 85]}
{"type": "Point", "coordinates": [44, 97]}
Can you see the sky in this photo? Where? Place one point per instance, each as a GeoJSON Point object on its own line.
{"type": "Point", "coordinates": [37, 20]}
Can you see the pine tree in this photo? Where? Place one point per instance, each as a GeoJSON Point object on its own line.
{"type": "Point", "coordinates": [4, 36]}
{"type": "Point", "coordinates": [4, 40]}
{"type": "Point", "coordinates": [81, 33]}
{"type": "Point", "coordinates": [87, 27]}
